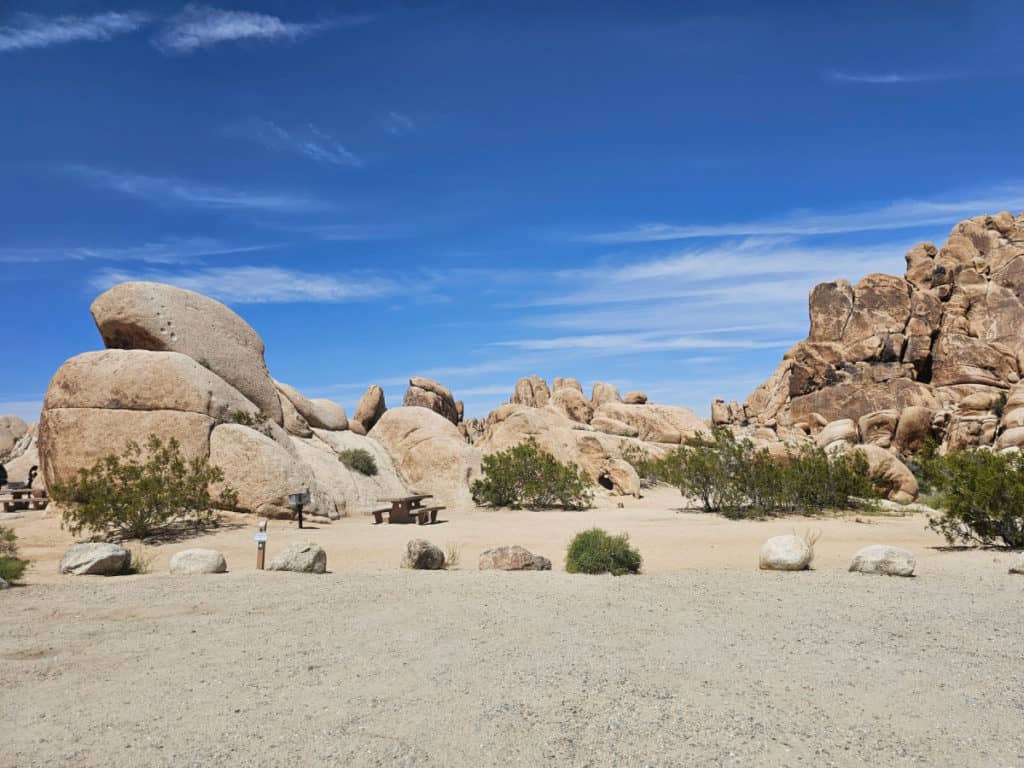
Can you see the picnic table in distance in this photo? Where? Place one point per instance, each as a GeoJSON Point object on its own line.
{"type": "Point", "coordinates": [22, 498]}
{"type": "Point", "coordinates": [407, 509]}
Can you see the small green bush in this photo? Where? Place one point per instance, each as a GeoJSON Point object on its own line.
{"type": "Point", "coordinates": [135, 495]}
{"type": "Point", "coordinates": [981, 495]}
{"type": "Point", "coordinates": [360, 460]}
{"type": "Point", "coordinates": [11, 566]}
{"type": "Point", "coordinates": [733, 477]}
{"type": "Point", "coordinates": [260, 422]}
{"type": "Point", "coordinates": [528, 476]}
{"type": "Point", "coordinates": [596, 551]}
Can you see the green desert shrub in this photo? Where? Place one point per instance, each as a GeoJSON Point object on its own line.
{"type": "Point", "coordinates": [597, 551]}
{"type": "Point", "coordinates": [260, 422]}
{"type": "Point", "coordinates": [735, 478]}
{"type": "Point", "coordinates": [141, 493]}
{"type": "Point", "coordinates": [528, 476]}
{"type": "Point", "coordinates": [11, 566]}
{"type": "Point", "coordinates": [360, 460]}
{"type": "Point", "coordinates": [981, 495]}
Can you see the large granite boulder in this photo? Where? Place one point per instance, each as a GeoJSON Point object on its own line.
{"type": "Point", "coordinates": [96, 560]}
{"type": "Point", "coordinates": [656, 423]}
{"type": "Point", "coordinates": [604, 393]}
{"type": "Point", "coordinates": [159, 317]}
{"type": "Point", "coordinates": [321, 414]}
{"type": "Point", "coordinates": [427, 393]}
{"type": "Point", "coordinates": [430, 454]}
{"type": "Point", "coordinates": [573, 403]}
{"type": "Point", "coordinates": [264, 474]}
{"type": "Point", "coordinates": [370, 408]}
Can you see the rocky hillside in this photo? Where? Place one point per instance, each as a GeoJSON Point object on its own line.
{"type": "Point", "coordinates": [938, 350]}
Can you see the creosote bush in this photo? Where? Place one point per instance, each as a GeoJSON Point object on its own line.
{"type": "Point", "coordinates": [981, 495]}
{"type": "Point", "coordinates": [737, 479]}
{"type": "Point", "coordinates": [11, 566]}
{"type": "Point", "coordinates": [138, 494]}
{"type": "Point", "coordinates": [360, 460]}
{"type": "Point", "coordinates": [597, 551]}
{"type": "Point", "coordinates": [528, 476]}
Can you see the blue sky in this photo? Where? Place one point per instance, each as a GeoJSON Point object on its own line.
{"type": "Point", "coordinates": [636, 193]}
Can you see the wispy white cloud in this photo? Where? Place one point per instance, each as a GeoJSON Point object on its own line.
{"type": "Point", "coordinates": [619, 343]}
{"type": "Point", "coordinates": [261, 285]}
{"type": "Point", "coordinates": [29, 30]}
{"type": "Point", "coordinates": [170, 251]}
{"type": "Point", "coordinates": [200, 26]}
{"type": "Point", "coordinates": [398, 123]}
{"type": "Point", "coordinates": [308, 141]}
{"type": "Point", "coordinates": [173, 191]}
{"type": "Point", "coordinates": [884, 78]}
{"type": "Point", "coordinates": [899, 214]}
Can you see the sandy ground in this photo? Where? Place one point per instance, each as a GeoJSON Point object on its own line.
{"type": "Point", "coordinates": [670, 540]}
{"type": "Point", "coordinates": [701, 661]}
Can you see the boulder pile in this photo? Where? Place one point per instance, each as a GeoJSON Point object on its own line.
{"type": "Point", "coordinates": [935, 352]}
{"type": "Point", "coordinates": [181, 365]}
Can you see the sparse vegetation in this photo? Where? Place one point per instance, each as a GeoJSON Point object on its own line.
{"type": "Point", "coordinates": [737, 479]}
{"type": "Point", "coordinates": [139, 494]}
{"type": "Point", "coordinates": [528, 476]}
{"type": "Point", "coordinates": [260, 422]}
{"type": "Point", "coordinates": [597, 551]}
{"type": "Point", "coordinates": [359, 460]}
{"type": "Point", "coordinates": [451, 557]}
{"type": "Point", "coordinates": [11, 566]}
{"type": "Point", "coordinates": [998, 406]}
{"type": "Point", "coordinates": [980, 495]}
{"type": "Point", "coordinates": [142, 562]}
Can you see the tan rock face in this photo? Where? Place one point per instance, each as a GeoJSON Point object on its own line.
{"type": "Point", "coordinates": [878, 428]}
{"type": "Point", "coordinates": [264, 474]}
{"type": "Point", "coordinates": [655, 423]}
{"type": "Point", "coordinates": [370, 408]}
{"type": "Point", "coordinates": [158, 317]}
{"type": "Point", "coordinates": [430, 454]}
{"type": "Point", "coordinates": [890, 343]}
{"type": "Point", "coordinates": [322, 414]}
{"type": "Point", "coordinates": [294, 423]}
{"type": "Point", "coordinates": [573, 403]}
{"type": "Point", "coordinates": [12, 429]}
{"type": "Point", "coordinates": [328, 415]}
{"type": "Point", "coordinates": [532, 391]}
{"type": "Point", "coordinates": [566, 383]}
{"type": "Point", "coordinates": [604, 393]}
{"type": "Point", "coordinates": [634, 398]}
{"type": "Point", "coordinates": [427, 393]}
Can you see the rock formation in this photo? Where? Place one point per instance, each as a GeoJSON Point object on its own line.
{"type": "Point", "coordinates": [427, 393]}
{"type": "Point", "coordinates": [937, 351]}
{"type": "Point", "coordinates": [183, 366]}
{"type": "Point", "coordinates": [370, 408]}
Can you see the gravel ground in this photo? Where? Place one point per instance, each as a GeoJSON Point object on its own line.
{"type": "Point", "coordinates": [824, 668]}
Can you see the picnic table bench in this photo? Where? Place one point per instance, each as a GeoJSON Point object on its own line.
{"type": "Point", "coordinates": [407, 509]}
{"type": "Point", "coordinates": [22, 498]}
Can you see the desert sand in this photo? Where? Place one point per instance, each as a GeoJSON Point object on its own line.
{"type": "Point", "coordinates": [702, 660]}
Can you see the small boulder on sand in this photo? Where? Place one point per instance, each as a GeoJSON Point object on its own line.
{"type": "Point", "coordinates": [421, 555]}
{"type": "Point", "coordinates": [96, 560]}
{"type": "Point", "coordinates": [1017, 566]}
{"type": "Point", "coordinates": [884, 560]}
{"type": "Point", "coordinates": [785, 553]}
{"type": "Point", "coordinates": [514, 558]}
{"type": "Point", "coordinates": [301, 558]}
{"type": "Point", "coordinates": [190, 562]}
{"type": "Point", "coordinates": [4, 584]}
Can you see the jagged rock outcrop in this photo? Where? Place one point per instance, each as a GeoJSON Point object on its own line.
{"type": "Point", "coordinates": [945, 339]}
{"type": "Point", "coordinates": [532, 391]}
{"type": "Point", "coordinates": [12, 429]}
{"type": "Point", "coordinates": [427, 393]}
{"type": "Point", "coordinates": [604, 393]}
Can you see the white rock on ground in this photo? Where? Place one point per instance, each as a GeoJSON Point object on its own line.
{"type": "Point", "coordinates": [301, 558]}
{"type": "Point", "coordinates": [785, 553]}
{"type": "Point", "coordinates": [190, 562]}
{"type": "Point", "coordinates": [421, 555]}
{"type": "Point", "coordinates": [884, 560]}
{"type": "Point", "coordinates": [4, 584]}
{"type": "Point", "coordinates": [1017, 566]}
{"type": "Point", "coordinates": [95, 560]}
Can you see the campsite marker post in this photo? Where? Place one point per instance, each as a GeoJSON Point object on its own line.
{"type": "Point", "coordinates": [261, 544]}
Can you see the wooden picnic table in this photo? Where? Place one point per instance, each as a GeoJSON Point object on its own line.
{"type": "Point", "coordinates": [407, 509]}
{"type": "Point", "coordinates": [22, 498]}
